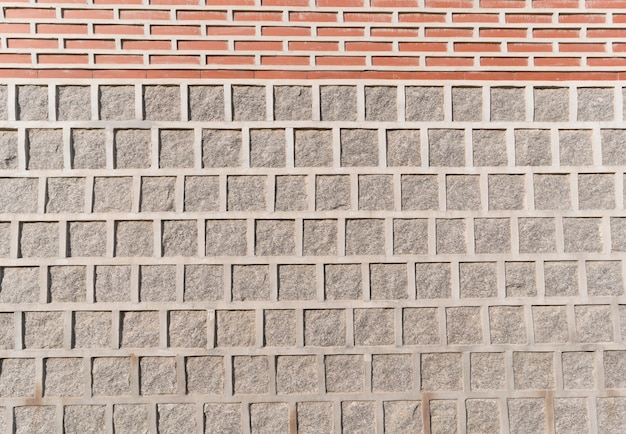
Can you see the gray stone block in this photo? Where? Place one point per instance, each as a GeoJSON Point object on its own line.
{"type": "Point", "coordinates": [537, 235]}
{"type": "Point", "coordinates": [365, 237]}
{"type": "Point", "coordinates": [133, 149]}
{"type": "Point", "coordinates": [579, 370]}
{"type": "Point", "coordinates": [420, 326]}
{"type": "Point", "coordinates": [43, 329]}
{"type": "Point", "coordinates": [358, 417]}
{"type": "Point", "coordinates": [487, 371]}
{"type": "Point", "coordinates": [325, 328]}
{"type": "Point", "coordinates": [344, 373]}
{"type": "Point", "coordinates": [451, 236]}
{"type": "Point", "coordinates": [17, 377]}
{"type": "Point", "coordinates": [161, 103]}
{"type": "Point", "coordinates": [84, 418]}
{"type": "Point", "coordinates": [204, 283]}
{"type": "Point", "coordinates": [91, 329]}
{"type": "Point", "coordinates": [201, 193]}
{"type": "Point", "coordinates": [532, 147]}
{"type": "Point", "coordinates": [291, 193]}
{"type": "Point", "coordinates": [226, 237]}
{"type": "Point", "coordinates": [296, 282]}
{"type": "Point", "coordinates": [180, 238]}
{"type": "Point", "coordinates": [44, 148]}
{"type": "Point", "coordinates": [112, 194]}
{"type": "Point", "coordinates": [443, 416]}
{"type": "Point", "coordinates": [595, 104]}
{"type": "Point", "coordinates": [67, 283]}
{"type": "Point", "coordinates": [235, 328]}
{"type": "Point", "coordinates": [176, 418]}
{"type": "Point", "coordinates": [73, 103]}
{"type": "Point", "coordinates": [319, 237]}
{"type": "Point", "coordinates": [614, 365]}
{"type": "Point", "coordinates": [483, 416]}
{"type": "Point", "coordinates": [526, 415]}
{"type": "Point", "coordinates": [39, 240]}
{"type": "Point", "coordinates": [508, 104]}
{"type": "Point", "coordinates": [139, 329]}
{"type": "Point", "coordinates": [571, 415]}
{"type": "Point", "coordinates": [596, 191]}
{"type": "Point", "coordinates": [594, 323]}
{"type": "Point", "coordinates": [296, 374]}
{"type": "Point", "coordinates": [246, 193]}
{"type": "Point", "coordinates": [157, 375]}
{"type": "Point", "coordinates": [463, 325]}
{"type": "Point", "coordinates": [610, 413]}
{"type": "Point", "coordinates": [8, 149]}
{"type": "Point", "coordinates": [176, 149]}
{"type": "Point", "coordinates": [582, 234]}
{"type": "Point", "coordinates": [392, 372]}
{"type": "Point", "coordinates": [575, 147]}
{"type": "Point", "coordinates": [551, 104]}
{"type": "Point", "coordinates": [533, 370]}
{"type": "Point", "coordinates": [618, 234]}
{"type": "Point", "coordinates": [446, 147]}
{"type": "Point", "coordinates": [279, 327]}
{"type": "Point", "coordinates": [332, 192]}
{"type": "Point", "coordinates": [613, 142]}
{"type": "Point", "coordinates": [250, 282]}
{"type": "Point", "coordinates": [249, 103]}
{"type": "Point", "coordinates": [359, 148]}
{"type": "Point", "coordinates": [467, 103]}
{"type": "Point", "coordinates": [342, 282]}
{"type": "Point", "coordinates": [424, 103]}
{"type": "Point", "coordinates": [117, 103]}
{"type": "Point", "coordinates": [381, 103]}
{"type": "Point", "coordinates": [506, 192]}
{"type": "Point", "coordinates": [375, 192]}
{"type": "Point", "coordinates": [112, 283]}
{"type": "Point", "coordinates": [269, 417]}
{"type": "Point", "coordinates": [552, 192]}
{"type": "Point", "coordinates": [65, 195]}
{"type": "Point", "coordinates": [338, 103]}
{"type": "Point", "coordinates": [403, 417]}
{"type": "Point", "coordinates": [403, 148]}
{"type": "Point", "coordinates": [463, 192]}
{"type": "Point", "coordinates": [489, 147]}
{"type": "Point", "coordinates": [128, 417]}
{"type": "Point", "coordinates": [110, 376]}
{"type": "Point", "coordinates": [157, 193]}
{"type": "Point", "coordinates": [520, 279]}
{"type": "Point", "coordinates": [292, 103]}
{"type": "Point", "coordinates": [267, 148]}
{"type": "Point", "coordinates": [313, 148]}
{"type": "Point", "coordinates": [63, 376]}
{"type": "Point", "coordinates": [32, 103]}
{"type": "Point", "coordinates": [433, 280]}
{"type": "Point", "coordinates": [550, 324]}
{"type": "Point", "coordinates": [410, 236]}
{"type": "Point", "coordinates": [187, 329]}
{"type": "Point", "coordinates": [374, 327]}
{"type": "Point", "coordinates": [5, 240]}
{"type": "Point", "coordinates": [34, 419]}
{"type": "Point", "coordinates": [561, 278]}
{"type": "Point", "coordinates": [221, 148]}
{"type": "Point", "coordinates": [222, 417]}
{"type": "Point", "coordinates": [7, 331]}
{"type": "Point", "coordinates": [492, 235]}
{"type": "Point", "coordinates": [250, 375]}
{"type": "Point", "coordinates": [204, 375]}
{"type": "Point", "coordinates": [19, 284]}
{"type": "Point", "coordinates": [315, 417]}
{"type": "Point", "coordinates": [19, 195]}
{"type": "Point", "coordinates": [206, 103]}
{"type": "Point", "coordinates": [4, 110]}
{"type": "Point", "coordinates": [441, 372]}
{"type": "Point", "coordinates": [134, 238]}
{"type": "Point", "coordinates": [507, 325]}
{"type": "Point", "coordinates": [388, 282]}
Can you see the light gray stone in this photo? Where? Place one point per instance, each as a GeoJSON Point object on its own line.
{"type": "Point", "coordinates": [618, 234]}
{"type": "Point", "coordinates": [403, 148]}
{"type": "Point", "coordinates": [507, 325]}
{"type": "Point", "coordinates": [221, 148]}
{"type": "Point", "coordinates": [130, 417]}
{"type": "Point", "coordinates": [392, 372]}
{"type": "Point", "coordinates": [63, 376]}
{"type": "Point", "coordinates": [44, 148]}
{"type": "Point", "coordinates": [537, 235]}
{"type": "Point", "coordinates": [596, 191]}
{"type": "Point", "coordinates": [410, 236]}
{"type": "Point", "coordinates": [161, 103]}
{"type": "Point", "coordinates": [463, 325]}
{"type": "Point", "coordinates": [67, 283]}
{"type": "Point", "coordinates": [579, 369]}
{"type": "Point", "coordinates": [492, 235]}
{"type": "Point", "coordinates": [235, 328]}
{"type": "Point", "coordinates": [313, 148]}
{"type": "Point", "coordinates": [315, 417]}
{"type": "Point", "coordinates": [32, 103]}
{"type": "Point", "coordinates": [595, 104]}
{"type": "Point", "coordinates": [248, 103]}
{"type": "Point", "coordinates": [582, 234]}
{"type": "Point", "coordinates": [532, 147]}
{"type": "Point", "coordinates": [375, 192]}
{"type": "Point", "coordinates": [550, 324]}
{"type": "Point", "coordinates": [332, 192]}
{"type": "Point", "coordinates": [226, 237]}
{"type": "Point", "coordinates": [157, 283]}
{"type": "Point", "coordinates": [267, 148]}
{"type": "Point", "coordinates": [139, 329]}
{"type": "Point", "coordinates": [381, 103]}
{"type": "Point", "coordinates": [92, 329]}
{"type": "Point", "coordinates": [187, 329]}
{"type": "Point", "coordinates": [443, 416]}
{"type": "Point", "coordinates": [462, 192]}
{"type": "Point", "coordinates": [279, 327]}
{"type": "Point", "coordinates": [204, 283]}
{"type": "Point", "coordinates": [604, 278]}
{"type": "Point", "coordinates": [319, 238]}
{"type": "Point", "coordinates": [250, 375]}
{"type": "Point", "coordinates": [614, 365]}
{"type": "Point", "coordinates": [250, 282]}
{"type": "Point", "coordinates": [296, 282]}
{"type": "Point", "coordinates": [338, 103]}
{"type": "Point", "coordinates": [275, 237]}
{"type": "Point", "coordinates": [19, 284]}
{"type": "Point", "coordinates": [8, 149]}
{"type": "Point", "coordinates": [403, 417]}
{"type": "Point", "coordinates": [65, 195]}
{"type": "Point", "coordinates": [17, 377]}
{"type": "Point", "coordinates": [4, 110]}
{"type": "Point", "coordinates": [344, 373]}
{"type": "Point", "coordinates": [594, 323]}
{"type": "Point", "coordinates": [561, 278]}
{"type": "Point", "coordinates": [292, 103]}
{"type": "Point", "coordinates": [610, 411]}
{"type": "Point", "coordinates": [365, 237]}
{"type": "Point", "coordinates": [374, 327]}
{"type": "Point", "coordinates": [176, 149]}
{"type": "Point", "coordinates": [483, 416]}
{"type": "Point", "coordinates": [489, 147]}
{"type": "Point", "coordinates": [222, 418]}
{"type": "Point", "coordinates": [7, 331]}
{"type": "Point", "coordinates": [206, 103]}
{"type": "Point", "coordinates": [246, 193]}
{"type": "Point", "coordinates": [158, 194]}
{"type": "Point", "coordinates": [34, 419]}
{"type": "Point", "coordinates": [508, 104]}
{"type": "Point", "coordinates": [134, 238]}
{"type": "Point", "coordinates": [113, 194]}
{"type": "Point", "coordinates": [204, 375]}
{"type": "Point", "coordinates": [296, 374]}
{"type": "Point", "coordinates": [551, 104]}
{"type": "Point", "coordinates": [157, 375]}
{"type": "Point", "coordinates": [420, 326]}
{"type": "Point", "coordinates": [571, 415]}
{"type": "Point", "coordinates": [388, 282]}
{"type": "Point", "coordinates": [506, 192]}
{"type": "Point", "coordinates": [359, 148]}
{"type": "Point", "coordinates": [325, 327]}
{"type": "Point", "coordinates": [87, 239]}
{"type": "Point", "coordinates": [613, 147]}
{"type": "Point", "coordinates": [291, 193]}
{"type": "Point", "coordinates": [176, 418]}
{"type": "Point", "coordinates": [73, 103]}
{"type": "Point", "coordinates": [84, 418]}
{"type": "Point", "coordinates": [201, 193]}
{"type": "Point", "coordinates": [526, 415]}
{"type": "Point", "coordinates": [441, 372]}
{"type": "Point", "coordinates": [39, 240]}
{"type": "Point", "coordinates": [520, 279]}
{"type": "Point", "coordinates": [133, 149]}
{"type": "Point", "coordinates": [43, 330]}
{"type": "Point", "coordinates": [112, 283]}
{"type": "Point", "coordinates": [110, 376]}
{"type": "Point", "coordinates": [180, 238]}
{"type": "Point", "coordinates": [5, 240]}
{"type": "Point", "coordinates": [451, 236]}
{"type": "Point", "coordinates": [269, 418]}
{"type": "Point", "coordinates": [487, 371]}
{"type": "Point", "coordinates": [552, 192]}
{"type": "Point", "coordinates": [433, 280]}
{"type": "Point", "coordinates": [117, 103]}
{"type": "Point", "coordinates": [446, 147]}
{"type": "Point", "coordinates": [533, 370]}
{"type": "Point", "coordinates": [358, 417]}
{"type": "Point", "coordinates": [467, 103]}
{"type": "Point", "coordinates": [575, 147]}
{"type": "Point", "coordinates": [424, 103]}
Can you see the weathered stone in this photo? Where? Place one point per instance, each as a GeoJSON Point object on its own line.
{"type": "Point", "coordinates": [249, 103]}
{"type": "Point", "coordinates": [32, 103]}
{"type": "Point", "coordinates": [325, 327]}
{"type": "Point", "coordinates": [403, 417]}
{"type": "Point", "coordinates": [84, 418]}
{"type": "Point", "coordinates": [550, 324]}
{"type": "Point", "coordinates": [157, 194]}
{"type": "Point", "coordinates": [226, 237]}
{"type": "Point", "coordinates": [344, 373]}
{"type": "Point", "coordinates": [463, 325]}
{"type": "Point", "coordinates": [420, 326]}
{"type": "Point", "coordinates": [462, 192]}
{"type": "Point", "coordinates": [551, 104]}
{"type": "Point", "coordinates": [222, 417]}
{"type": "Point", "coordinates": [332, 192]}
{"type": "Point", "coordinates": [176, 418]}
{"type": "Point", "coordinates": [467, 103]}
{"type": "Point", "coordinates": [296, 374]}
{"type": "Point", "coordinates": [17, 377]}
{"type": "Point", "coordinates": [250, 375]}
{"type": "Point", "coordinates": [381, 103]}
{"type": "Point", "coordinates": [280, 327]}
{"type": "Point", "coordinates": [117, 103]}
{"type": "Point", "coordinates": [451, 236]}
{"type": "Point", "coordinates": [358, 416]}
{"type": "Point", "coordinates": [250, 282]}
{"type": "Point", "coordinates": [533, 370]}
{"type": "Point", "coordinates": [112, 283]}
{"type": "Point", "coordinates": [110, 376]}
{"type": "Point", "coordinates": [221, 148]}
{"type": "Point", "coordinates": [269, 417]}
{"type": "Point", "coordinates": [113, 194]}
{"type": "Point", "coordinates": [157, 375]}
{"type": "Point", "coordinates": [139, 329]}
{"type": "Point", "coordinates": [161, 103]}
{"type": "Point", "coordinates": [65, 195]}
{"type": "Point", "coordinates": [443, 416]}
{"type": "Point", "coordinates": [508, 104]}
{"type": "Point", "coordinates": [127, 417]}
{"type": "Point", "coordinates": [392, 372]}
{"type": "Point", "coordinates": [576, 148]}
{"type": "Point", "coordinates": [176, 148]}
{"type": "Point", "coordinates": [579, 370]}
{"type": "Point", "coordinates": [338, 103]}
{"type": "Point", "coordinates": [19, 284]}
{"type": "Point", "coordinates": [67, 283]}
{"type": "Point", "coordinates": [520, 279]}
{"type": "Point", "coordinates": [313, 148]}
{"type": "Point", "coordinates": [133, 149]}
{"type": "Point", "coordinates": [235, 328]}
{"type": "Point", "coordinates": [43, 329]}
{"type": "Point", "coordinates": [432, 280]}
{"type": "Point", "coordinates": [267, 148]}
{"type": "Point", "coordinates": [204, 283]}
{"type": "Point", "coordinates": [8, 149]}
{"type": "Point", "coordinates": [134, 238]}
{"type": "Point", "coordinates": [489, 147]}
{"type": "Point", "coordinates": [374, 327]}
{"type": "Point", "coordinates": [291, 193]}
{"type": "Point", "coordinates": [526, 415]}
{"type": "Point", "coordinates": [441, 372]}
{"type": "Point", "coordinates": [63, 376]}
{"type": "Point", "coordinates": [275, 237]}
{"type": "Point", "coordinates": [595, 104]}
{"type": "Point", "coordinates": [187, 329]}
{"type": "Point", "coordinates": [532, 147]}
{"type": "Point", "coordinates": [403, 148]}
{"type": "Point", "coordinates": [39, 240]}
{"type": "Point", "coordinates": [73, 103]}
{"type": "Point", "coordinates": [315, 417]}
{"type": "Point", "coordinates": [180, 238]}
{"type": "Point", "coordinates": [424, 103]}
{"type": "Point", "coordinates": [487, 371]}
{"type": "Point", "coordinates": [359, 148]}
{"type": "Point", "coordinates": [483, 416]}
{"type": "Point", "coordinates": [206, 103]}
{"type": "Point", "coordinates": [44, 148]}
{"type": "Point", "coordinates": [446, 147]}
{"type": "Point", "coordinates": [365, 237]}
{"type": "Point", "coordinates": [204, 375]}
{"type": "Point", "coordinates": [292, 103]}
{"type": "Point", "coordinates": [92, 329]}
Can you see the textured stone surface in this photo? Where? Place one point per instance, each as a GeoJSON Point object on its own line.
{"type": "Point", "coordinates": [462, 192]}
{"type": "Point", "coordinates": [467, 103]}
{"type": "Point", "coordinates": [441, 372]}
{"type": "Point", "coordinates": [552, 192]}
{"type": "Point", "coordinates": [489, 147]}
{"type": "Point", "coordinates": [610, 414]}
{"type": "Point", "coordinates": [520, 279]}
{"type": "Point", "coordinates": [92, 329]}
{"type": "Point", "coordinates": [344, 373]}
{"type": "Point", "coordinates": [446, 147]}
{"type": "Point", "coordinates": [388, 282]}
{"type": "Point", "coordinates": [375, 192]}
{"type": "Point", "coordinates": [174, 418]}
{"type": "Point", "coordinates": [550, 324]}
{"type": "Point", "coordinates": [188, 329]}
{"type": "Point", "coordinates": [403, 148]}
{"type": "Point", "coordinates": [358, 416]}
{"type": "Point", "coordinates": [112, 194]}
{"type": "Point", "coordinates": [537, 235]}
{"type": "Point", "coordinates": [392, 372]}
{"type": "Point", "coordinates": [533, 370]}
{"type": "Point", "coordinates": [365, 237]}
{"type": "Point", "coordinates": [381, 103]}
{"type": "Point", "coordinates": [201, 193]}
{"type": "Point", "coordinates": [561, 278]}
{"type": "Point", "coordinates": [110, 376]}
{"type": "Point", "coordinates": [157, 375]}
{"type": "Point", "coordinates": [161, 103]}
{"type": "Point", "coordinates": [403, 417]}
{"type": "Point", "coordinates": [43, 329]}
{"type": "Point", "coordinates": [506, 192]}
{"type": "Point", "coordinates": [579, 370]}
{"type": "Point", "coordinates": [269, 417]}
{"type": "Point", "coordinates": [595, 104]}
{"type": "Point", "coordinates": [139, 329]}
{"type": "Point", "coordinates": [246, 193]}
{"type": "Point", "coordinates": [8, 149]}
{"type": "Point", "coordinates": [274, 237]}
{"type": "Point", "coordinates": [132, 149]}
{"type": "Point", "coordinates": [292, 103]}
{"type": "Point", "coordinates": [332, 192]}
{"type": "Point", "coordinates": [432, 280]}
{"type": "Point", "coordinates": [44, 148]}
{"type": "Point", "coordinates": [17, 377]}
{"type": "Point", "coordinates": [596, 191]}
{"type": "Point", "coordinates": [487, 371]}
{"type": "Point", "coordinates": [508, 104]}
{"type": "Point", "coordinates": [420, 326]}
{"type": "Point", "coordinates": [7, 331]}
{"type": "Point", "coordinates": [18, 195]}
{"type": "Point", "coordinates": [63, 377]}
{"type": "Point", "coordinates": [463, 325]}
{"type": "Point", "coordinates": [410, 236]}
{"type": "Point", "coordinates": [492, 235]}
{"type": "Point", "coordinates": [67, 283]}
{"type": "Point", "coordinates": [248, 103]}
{"type": "Point", "coordinates": [451, 236]}
{"type": "Point", "coordinates": [250, 282]}
{"type": "Point", "coordinates": [443, 416]}
{"type": "Point", "coordinates": [338, 103]}
{"type": "Point", "coordinates": [291, 193]}
{"type": "Point", "coordinates": [526, 415]}
{"type": "Point", "coordinates": [507, 325]}
{"type": "Point", "coordinates": [235, 328]}
{"type": "Point", "coordinates": [313, 147]}
{"type": "Point", "coordinates": [73, 103]}
{"type": "Point", "coordinates": [203, 283]}
{"type": "Point", "coordinates": [315, 417]}
{"type": "Point", "coordinates": [134, 238]}
{"type": "Point", "coordinates": [65, 195]}
{"type": "Point", "coordinates": [373, 327]}
{"type": "Point", "coordinates": [32, 103]}
{"type": "Point", "coordinates": [157, 193]}
{"type": "Point", "coordinates": [31, 419]}
{"type": "Point", "coordinates": [551, 104]}
{"type": "Point", "coordinates": [571, 415]}
{"type": "Point", "coordinates": [156, 283]}
{"type": "Point", "coordinates": [222, 417]}
{"type": "Point", "coordinates": [221, 148]}
{"type": "Point", "coordinates": [296, 282]}
{"type": "Point", "coordinates": [359, 148]}
{"type": "Point", "coordinates": [84, 418]}
{"type": "Point", "coordinates": [180, 238]}
{"type": "Point", "coordinates": [582, 234]}
{"type": "Point", "coordinates": [319, 237]}
{"type": "Point", "coordinates": [117, 102]}
{"type": "Point", "coordinates": [532, 148]}
{"type": "Point", "coordinates": [483, 416]}
{"type": "Point", "coordinates": [39, 240]}
{"type": "Point", "coordinates": [280, 328]}
{"type": "Point", "coordinates": [251, 375]}
{"type": "Point", "coordinates": [342, 282]}
{"type": "Point", "coordinates": [128, 417]}
{"type": "Point", "coordinates": [604, 278]}
{"type": "Point", "coordinates": [206, 103]}
{"type": "Point", "coordinates": [325, 327]}
{"type": "Point", "coordinates": [424, 103]}
{"type": "Point", "coordinates": [267, 148]}
{"type": "Point", "coordinates": [176, 148]}
{"type": "Point", "coordinates": [19, 285]}
{"type": "Point", "coordinates": [112, 282]}
{"type": "Point", "coordinates": [204, 375]}
{"type": "Point", "coordinates": [575, 147]}
{"type": "Point", "coordinates": [296, 374]}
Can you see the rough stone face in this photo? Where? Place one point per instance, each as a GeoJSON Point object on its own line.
{"type": "Point", "coordinates": [532, 148]}
{"type": "Point", "coordinates": [392, 372]}
{"type": "Point", "coordinates": [325, 327]}
{"type": "Point", "coordinates": [43, 329]}
{"type": "Point", "coordinates": [604, 278]}
{"type": "Point", "coordinates": [296, 282]}
{"type": "Point", "coordinates": [246, 193]}
{"type": "Point", "coordinates": [32, 419]}
{"type": "Point", "coordinates": [319, 238]}
{"type": "Point", "coordinates": [420, 326]}
{"type": "Point", "coordinates": [614, 365]}
{"type": "Point", "coordinates": [381, 103]}
{"type": "Point", "coordinates": [451, 236]}
{"type": "Point", "coordinates": [610, 414]}
{"type": "Point", "coordinates": [432, 280]}
{"type": "Point", "coordinates": [313, 147]}
{"type": "Point", "coordinates": [441, 372]}
{"type": "Point", "coordinates": [489, 147]}
{"type": "Point", "coordinates": [221, 148]}
{"type": "Point", "coordinates": [296, 374]}
{"type": "Point", "coordinates": [63, 377]}
{"type": "Point", "coordinates": [206, 103]}
{"type": "Point", "coordinates": [157, 194]}
{"type": "Point", "coordinates": [280, 328]}
{"type": "Point", "coordinates": [613, 145]}
{"type": "Point", "coordinates": [110, 376]}
{"type": "Point", "coordinates": [222, 417]}
{"type": "Point", "coordinates": [17, 377]}
{"type": "Point", "coordinates": [180, 238]}
{"type": "Point", "coordinates": [291, 193]}
{"type": "Point", "coordinates": [251, 375]}
{"type": "Point", "coordinates": [157, 375]}
{"type": "Point", "coordinates": [483, 416]}
{"type": "Point", "coordinates": [507, 325]}
{"type": "Point", "coordinates": [338, 103]}
{"type": "Point", "coordinates": [403, 417]}
{"type": "Point", "coordinates": [161, 103]}
{"type": "Point", "coordinates": [467, 103]}
{"type": "Point", "coordinates": [235, 328]}
{"type": "Point", "coordinates": [45, 148]}
{"type": "Point", "coordinates": [176, 148]}
{"type": "Point", "coordinates": [520, 279]}
{"type": "Point", "coordinates": [131, 417]}
{"type": "Point", "coordinates": [594, 323]}
{"type": "Point", "coordinates": [292, 103]}
{"type": "Point", "coordinates": [443, 416]}
{"type": "Point", "coordinates": [508, 104]}
{"type": "Point", "coordinates": [375, 192]}
{"type": "Point", "coordinates": [596, 191]}
{"type": "Point", "coordinates": [463, 325]}
{"type": "Point", "coordinates": [32, 103]}
{"type": "Point", "coordinates": [204, 375]}
{"type": "Point", "coordinates": [332, 192]}
{"type": "Point", "coordinates": [595, 104]}
{"type": "Point", "coordinates": [117, 103]}
{"type": "Point", "coordinates": [537, 235]}
{"type": "Point", "coordinates": [113, 194]}
{"type": "Point", "coordinates": [3, 103]}
{"type": "Point", "coordinates": [139, 329]}
{"type": "Point", "coordinates": [67, 283]}
{"type": "Point", "coordinates": [561, 278]}
{"type": "Point", "coordinates": [344, 373]}
{"type": "Point", "coordinates": [403, 148]}
{"type": "Point", "coordinates": [84, 418]}
{"type": "Point", "coordinates": [551, 104]}
{"type": "Point", "coordinates": [388, 282]}
{"type": "Point", "coordinates": [533, 370]}
{"type": "Point", "coordinates": [65, 195]}
{"type": "Point", "coordinates": [248, 103]}
{"type": "Point", "coordinates": [492, 235]}
{"type": "Point", "coordinates": [359, 148]}
{"type": "Point", "coordinates": [19, 285]}
{"type": "Point", "coordinates": [571, 415]}
{"type": "Point", "coordinates": [8, 149]}
{"type": "Point", "coordinates": [267, 148]}
{"type": "Point", "coordinates": [342, 282]}
{"type": "Point", "coordinates": [7, 331]}
{"type": "Point", "coordinates": [579, 370]}
{"type": "Point", "coordinates": [73, 103]}
{"type": "Point", "coordinates": [550, 324]}
{"type": "Point", "coordinates": [552, 192]}
{"type": "Point", "coordinates": [112, 283]}
{"type": "Point", "coordinates": [226, 237]}
{"type": "Point", "coordinates": [250, 282]}
{"type": "Point", "coordinates": [269, 417]}
{"type": "Point", "coordinates": [582, 234]}
{"type": "Point", "coordinates": [203, 283]}
{"type": "Point", "coordinates": [188, 329]}
{"type": "Point", "coordinates": [201, 193]}
{"type": "Point", "coordinates": [365, 237]}
{"type": "Point", "coordinates": [92, 329]}
{"type": "Point", "coordinates": [424, 103]}
{"type": "Point", "coordinates": [358, 416]}
{"type": "Point", "coordinates": [175, 418]}
{"type": "Point", "coordinates": [410, 236]}
{"type": "Point", "coordinates": [275, 237]}
{"type": "Point", "coordinates": [132, 149]}
{"type": "Point", "coordinates": [487, 371]}
{"type": "Point", "coordinates": [575, 147]}
{"type": "Point", "coordinates": [526, 415]}
{"type": "Point", "coordinates": [506, 192]}
{"type": "Point", "coordinates": [373, 327]}
{"type": "Point", "coordinates": [462, 192]}
{"type": "Point", "coordinates": [446, 147]}
{"type": "Point", "coordinates": [315, 417]}
{"type": "Point", "coordinates": [39, 240]}
{"type": "Point", "coordinates": [134, 238]}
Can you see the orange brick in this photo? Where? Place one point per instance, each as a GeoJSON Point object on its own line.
{"type": "Point", "coordinates": [605, 4]}
{"type": "Point", "coordinates": [619, 47]}
{"type": "Point", "coordinates": [119, 73]}
{"type": "Point", "coordinates": [582, 48]}
{"type": "Point", "coordinates": [63, 58]}
{"type": "Point", "coordinates": [90, 44]}
{"type": "Point", "coordinates": [297, 3]}
{"type": "Point", "coordinates": [449, 61]}
{"type": "Point", "coordinates": [67, 29]}
{"type": "Point", "coordinates": [340, 60]}
{"type": "Point", "coordinates": [137, 14]}
{"type": "Point", "coordinates": [158, 59]}
{"type": "Point", "coordinates": [257, 16]}
{"type": "Point", "coordinates": [18, 73]}
{"type": "Point", "coordinates": [606, 33]}
{"type": "Point", "coordinates": [498, 4]}
{"type": "Point", "coordinates": [118, 29]}
{"type": "Point", "coordinates": [65, 73]}
{"type": "Point", "coordinates": [476, 47]}
{"type": "Point", "coordinates": [202, 45]}
{"type": "Point", "coordinates": [119, 59]}
{"type": "Point", "coordinates": [503, 61]}
{"type": "Point", "coordinates": [556, 33]}
{"type": "Point", "coordinates": [395, 61]}
{"type": "Point", "coordinates": [423, 46]}
{"type": "Point", "coordinates": [14, 58]}
{"type": "Point", "coordinates": [313, 46]}
{"type": "Point", "coordinates": [394, 32]}
{"type": "Point", "coordinates": [281, 75]}
{"type": "Point", "coordinates": [583, 18]}
{"type": "Point", "coordinates": [228, 73]}
{"type": "Point", "coordinates": [528, 18]}
{"type": "Point", "coordinates": [340, 31]}
{"type": "Point", "coordinates": [369, 46]}
{"type": "Point", "coordinates": [394, 3]}
{"type": "Point", "coordinates": [606, 61]}
{"type": "Point", "coordinates": [489, 75]}
{"type": "Point", "coordinates": [555, 4]}
{"type": "Point", "coordinates": [202, 15]}
{"type": "Point", "coordinates": [230, 60]}
{"type": "Point", "coordinates": [285, 60]}
{"type": "Point", "coordinates": [286, 31]}
{"type": "Point", "coordinates": [230, 31]}
{"type": "Point", "coordinates": [146, 45]}
{"type": "Point", "coordinates": [175, 30]}
{"type": "Point", "coordinates": [87, 14]}
{"type": "Point", "coordinates": [340, 3]}
{"type": "Point", "coordinates": [619, 18]}
{"type": "Point", "coordinates": [230, 2]}
{"type": "Point", "coordinates": [32, 43]}
{"type": "Point", "coordinates": [529, 47]}
{"type": "Point", "coordinates": [365, 17]}
{"type": "Point", "coordinates": [414, 17]}
{"type": "Point", "coordinates": [174, 73]}
{"type": "Point", "coordinates": [475, 18]}
{"type": "Point", "coordinates": [313, 17]}
{"type": "Point", "coordinates": [117, 2]}
{"type": "Point", "coordinates": [66, 1]}
{"type": "Point", "coordinates": [503, 33]}
{"type": "Point", "coordinates": [258, 46]}
{"type": "Point", "coordinates": [466, 4]}
{"type": "Point", "coordinates": [447, 32]}
{"type": "Point", "coordinates": [13, 13]}
{"type": "Point", "coordinates": [174, 2]}
{"type": "Point", "coordinates": [557, 61]}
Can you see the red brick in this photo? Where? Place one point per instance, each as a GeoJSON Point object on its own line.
{"type": "Point", "coordinates": [605, 4]}
{"type": "Point", "coordinates": [619, 18]}
{"type": "Point", "coordinates": [65, 73]}
{"type": "Point", "coordinates": [258, 46]}
{"type": "Point", "coordinates": [230, 31]}
{"type": "Point", "coordinates": [365, 17]}
{"type": "Point", "coordinates": [218, 73]}
{"type": "Point", "coordinates": [528, 18]}
{"type": "Point", "coordinates": [18, 73]}
{"type": "Point", "coordinates": [557, 61]}
{"type": "Point", "coordinates": [202, 45]}
{"type": "Point", "coordinates": [146, 45]}
{"type": "Point", "coordinates": [313, 46]}
{"type": "Point", "coordinates": [465, 4]}
{"type": "Point", "coordinates": [118, 29]}
{"type": "Point", "coordinates": [174, 2]}
{"type": "Point", "coordinates": [63, 58]}
{"type": "Point", "coordinates": [118, 2]}
{"type": "Point", "coordinates": [90, 44]}
{"type": "Point", "coordinates": [286, 31]}
{"type": "Point", "coordinates": [504, 61]}
{"type": "Point", "coordinates": [148, 15]}
{"type": "Point", "coordinates": [415, 17]}
{"type": "Point", "coordinates": [448, 32]}
{"type": "Point", "coordinates": [297, 3]}
{"type": "Point", "coordinates": [174, 73]}
{"type": "Point", "coordinates": [87, 14]}
{"type": "Point", "coordinates": [230, 2]}
{"type": "Point", "coordinates": [606, 61]}
{"type": "Point", "coordinates": [157, 59]}
{"type": "Point", "coordinates": [175, 30]}
{"type": "Point", "coordinates": [340, 31]}
{"type": "Point", "coordinates": [119, 59]}
{"type": "Point", "coordinates": [369, 46]}
{"type": "Point", "coordinates": [285, 60]}
{"type": "Point", "coordinates": [476, 47]}
{"type": "Point", "coordinates": [230, 60]}
{"type": "Point", "coordinates": [395, 61]}
{"type": "Point", "coordinates": [556, 33]}
{"type": "Point", "coordinates": [202, 15]}
{"type": "Point", "coordinates": [582, 48]}
{"type": "Point", "coordinates": [13, 13]}
{"type": "Point", "coordinates": [504, 4]}
{"type": "Point", "coordinates": [340, 60]}
{"type": "Point", "coordinates": [395, 32]}
{"type": "Point", "coordinates": [257, 16]}
{"type": "Point", "coordinates": [313, 17]}
{"type": "Point", "coordinates": [14, 58]}
{"type": "Point", "coordinates": [583, 18]}
{"type": "Point", "coordinates": [340, 3]}
{"type": "Point", "coordinates": [32, 43]}
{"type": "Point", "coordinates": [475, 18]}
{"type": "Point", "coordinates": [529, 47]}
{"type": "Point", "coordinates": [555, 4]}
{"type": "Point", "coordinates": [119, 73]}
{"type": "Point", "coordinates": [282, 75]}
{"type": "Point", "coordinates": [67, 29]}
{"type": "Point", "coordinates": [394, 3]}
{"type": "Point", "coordinates": [606, 33]}
{"type": "Point", "coordinates": [449, 61]}
{"type": "Point", "coordinates": [423, 46]}
{"type": "Point", "coordinates": [619, 47]}
{"type": "Point", "coordinates": [503, 33]}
